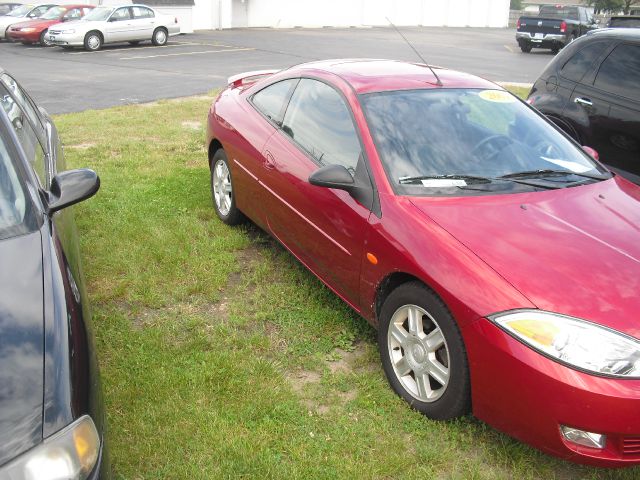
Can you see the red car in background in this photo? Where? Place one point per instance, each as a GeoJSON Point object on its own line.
{"type": "Point", "coordinates": [498, 259]}
{"type": "Point", "coordinates": [35, 31]}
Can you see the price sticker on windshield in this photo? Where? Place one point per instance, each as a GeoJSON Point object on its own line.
{"type": "Point", "coordinates": [497, 96]}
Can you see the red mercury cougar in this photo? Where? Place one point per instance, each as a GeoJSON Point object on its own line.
{"type": "Point", "coordinates": [498, 259]}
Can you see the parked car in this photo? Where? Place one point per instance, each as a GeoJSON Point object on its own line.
{"type": "Point", "coordinates": [36, 31]}
{"type": "Point", "coordinates": [624, 21]}
{"type": "Point", "coordinates": [22, 13]}
{"type": "Point", "coordinates": [591, 91]}
{"type": "Point", "coordinates": [52, 419]}
{"type": "Point", "coordinates": [498, 260]}
{"type": "Point", "coordinates": [6, 7]}
{"type": "Point", "coordinates": [554, 27]}
{"type": "Point", "coordinates": [130, 23]}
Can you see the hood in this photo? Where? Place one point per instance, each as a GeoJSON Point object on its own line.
{"type": "Point", "coordinates": [78, 25]}
{"type": "Point", "coordinates": [37, 23]}
{"type": "Point", "coordinates": [21, 344]}
{"type": "Point", "coordinates": [574, 251]}
{"type": "Point", "coordinates": [6, 20]}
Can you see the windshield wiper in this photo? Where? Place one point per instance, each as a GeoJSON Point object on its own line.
{"type": "Point", "coordinates": [475, 178]}
{"type": "Point", "coordinates": [453, 176]}
{"type": "Point", "coordinates": [544, 172]}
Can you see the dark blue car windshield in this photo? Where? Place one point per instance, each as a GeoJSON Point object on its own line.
{"type": "Point", "coordinates": [15, 206]}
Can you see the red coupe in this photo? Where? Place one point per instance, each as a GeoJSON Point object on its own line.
{"type": "Point", "coordinates": [35, 31]}
{"type": "Point", "coordinates": [499, 261]}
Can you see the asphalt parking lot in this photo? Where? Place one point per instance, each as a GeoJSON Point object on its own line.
{"type": "Point", "coordinates": [68, 81]}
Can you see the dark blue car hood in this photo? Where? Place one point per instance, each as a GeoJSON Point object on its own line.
{"type": "Point", "coordinates": [21, 344]}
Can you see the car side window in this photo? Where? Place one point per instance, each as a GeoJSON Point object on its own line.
{"type": "Point", "coordinates": [121, 14]}
{"type": "Point", "coordinates": [24, 101]}
{"type": "Point", "coordinates": [271, 100]}
{"type": "Point", "coordinates": [26, 136]}
{"type": "Point", "coordinates": [620, 71]}
{"type": "Point", "coordinates": [318, 119]}
{"type": "Point", "coordinates": [141, 12]}
{"type": "Point", "coordinates": [578, 65]}
{"type": "Point", "coordinates": [86, 10]}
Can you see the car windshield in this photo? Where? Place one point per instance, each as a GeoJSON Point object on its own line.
{"type": "Point", "coordinates": [98, 14]}
{"type": "Point", "coordinates": [433, 141]}
{"type": "Point", "coordinates": [20, 11]}
{"type": "Point", "coordinates": [15, 217]}
{"type": "Point", "coordinates": [54, 13]}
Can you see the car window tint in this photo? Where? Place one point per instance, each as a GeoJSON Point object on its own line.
{"type": "Point", "coordinates": [72, 14]}
{"type": "Point", "coordinates": [23, 100]}
{"type": "Point", "coordinates": [320, 122]}
{"type": "Point", "coordinates": [36, 12]}
{"type": "Point", "coordinates": [141, 12]}
{"type": "Point", "coordinates": [271, 100]}
{"type": "Point", "coordinates": [15, 207]}
{"type": "Point", "coordinates": [26, 136]}
{"type": "Point", "coordinates": [578, 65]}
{"type": "Point", "coordinates": [620, 71]}
{"type": "Point", "coordinates": [121, 14]}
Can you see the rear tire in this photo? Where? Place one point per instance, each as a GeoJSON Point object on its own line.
{"type": "Point", "coordinates": [222, 190]}
{"type": "Point", "coordinates": [160, 37]}
{"type": "Point", "coordinates": [93, 41]}
{"type": "Point", "coordinates": [422, 352]}
{"type": "Point", "coordinates": [525, 48]}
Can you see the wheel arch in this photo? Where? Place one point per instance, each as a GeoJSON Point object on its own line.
{"type": "Point", "coordinates": [388, 284]}
{"type": "Point", "coordinates": [214, 146]}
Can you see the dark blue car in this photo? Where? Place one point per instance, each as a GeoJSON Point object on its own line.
{"type": "Point", "coordinates": [52, 420]}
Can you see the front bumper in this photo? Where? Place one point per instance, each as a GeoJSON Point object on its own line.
{"type": "Point", "coordinates": [67, 39]}
{"type": "Point", "coordinates": [541, 40]}
{"type": "Point", "coordinates": [22, 36]}
{"type": "Point", "coordinates": [528, 396]}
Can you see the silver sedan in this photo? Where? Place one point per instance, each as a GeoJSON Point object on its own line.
{"type": "Point", "coordinates": [126, 23]}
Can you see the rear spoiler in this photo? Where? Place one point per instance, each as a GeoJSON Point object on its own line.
{"type": "Point", "coordinates": [247, 78]}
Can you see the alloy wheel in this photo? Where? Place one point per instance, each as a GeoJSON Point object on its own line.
{"type": "Point", "coordinates": [222, 190]}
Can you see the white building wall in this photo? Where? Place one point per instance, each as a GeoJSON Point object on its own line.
{"type": "Point", "coordinates": [212, 14]}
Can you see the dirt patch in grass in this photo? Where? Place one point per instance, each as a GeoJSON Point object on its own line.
{"type": "Point", "coordinates": [82, 146]}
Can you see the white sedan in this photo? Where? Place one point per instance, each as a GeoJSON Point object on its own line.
{"type": "Point", "coordinates": [127, 23]}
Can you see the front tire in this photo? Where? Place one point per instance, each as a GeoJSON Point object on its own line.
{"type": "Point", "coordinates": [160, 37]}
{"type": "Point", "coordinates": [422, 352]}
{"type": "Point", "coordinates": [93, 41]}
{"type": "Point", "coordinates": [43, 39]}
{"type": "Point", "coordinates": [222, 190]}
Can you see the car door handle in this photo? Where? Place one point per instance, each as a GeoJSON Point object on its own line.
{"type": "Point", "coordinates": [269, 162]}
{"type": "Point", "coordinates": [585, 102]}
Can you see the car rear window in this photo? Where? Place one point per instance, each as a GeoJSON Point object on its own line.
{"type": "Point", "coordinates": [552, 11]}
{"type": "Point", "coordinates": [620, 71]}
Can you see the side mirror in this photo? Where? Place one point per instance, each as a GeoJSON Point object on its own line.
{"type": "Point", "coordinates": [591, 152]}
{"type": "Point", "coordinates": [72, 186]}
{"type": "Point", "coordinates": [333, 176]}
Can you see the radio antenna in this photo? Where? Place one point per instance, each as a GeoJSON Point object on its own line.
{"type": "Point", "coordinates": [438, 82]}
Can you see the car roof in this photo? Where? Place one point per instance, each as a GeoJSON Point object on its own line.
{"type": "Point", "coordinates": [376, 75]}
{"type": "Point", "coordinates": [623, 33]}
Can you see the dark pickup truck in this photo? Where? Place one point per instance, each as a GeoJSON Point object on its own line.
{"type": "Point", "coordinates": [554, 27]}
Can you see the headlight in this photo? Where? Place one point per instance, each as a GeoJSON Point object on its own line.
{"type": "Point", "coordinates": [29, 29]}
{"type": "Point", "coordinates": [575, 342]}
{"type": "Point", "coordinates": [70, 454]}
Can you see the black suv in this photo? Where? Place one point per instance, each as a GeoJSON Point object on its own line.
{"type": "Point", "coordinates": [591, 90]}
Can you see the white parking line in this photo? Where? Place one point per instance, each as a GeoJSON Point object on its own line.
{"type": "Point", "coordinates": [187, 53]}
{"type": "Point", "coordinates": [508, 47]}
{"type": "Point", "coordinates": [116, 50]}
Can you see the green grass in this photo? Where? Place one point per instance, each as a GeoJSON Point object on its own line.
{"type": "Point", "coordinates": [221, 356]}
